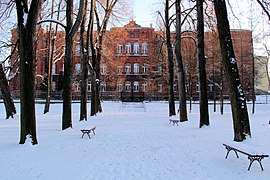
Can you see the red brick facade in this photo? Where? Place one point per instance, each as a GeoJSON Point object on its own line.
{"type": "Point", "coordinates": [133, 62]}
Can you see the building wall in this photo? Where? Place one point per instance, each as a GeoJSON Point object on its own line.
{"type": "Point", "coordinates": [148, 71]}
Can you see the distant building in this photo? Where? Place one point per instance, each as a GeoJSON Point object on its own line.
{"type": "Point", "coordinates": [134, 64]}
{"type": "Point", "coordinates": [261, 78]}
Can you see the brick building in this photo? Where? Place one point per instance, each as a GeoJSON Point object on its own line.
{"type": "Point", "coordinates": [134, 65]}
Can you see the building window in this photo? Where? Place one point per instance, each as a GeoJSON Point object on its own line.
{"type": "Point", "coordinates": [120, 48]}
{"type": "Point", "coordinates": [136, 48]}
{"type": "Point", "coordinates": [128, 68]}
{"type": "Point", "coordinates": [144, 87]}
{"type": "Point", "coordinates": [53, 85]}
{"type": "Point", "coordinates": [128, 86]}
{"type": "Point", "coordinates": [136, 86]}
{"type": "Point", "coordinates": [159, 87]}
{"type": "Point", "coordinates": [187, 87]}
{"type": "Point", "coordinates": [78, 50]}
{"type": "Point", "coordinates": [210, 87]}
{"type": "Point", "coordinates": [54, 68]}
{"type": "Point", "coordinates": [103, 87]}
{"type": "Point", "coordinates": [197, 87]}
{"type": "Point", "coordinates": [76, 86]}
{"type": "Point", "coordinates": [144, 68]}
{"type": "Point", "coordinates": [103, 69]}
{"type": "Point", "coordinates": [89, 86]}
{"type": "Point", "coordinates": [160, 69]}
{"type": "Point", "coordinates": [77, 68]}
{"type": "Point", "coordinates": [144, 48]}
{"type": "Point", "coordinates": [175, 87]}
{"type": "Point", "coordinates": [119, 87]}
{"type": "Point", "coordinates": [120, 69]}
{"type": "Point", "coordinates": [128, 48]}
{"type": "Point", "coordinates": [136, 68]}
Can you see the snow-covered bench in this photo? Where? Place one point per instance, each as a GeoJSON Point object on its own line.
{"type": "Point", "coordinates": [174, 121]}
{"type": "Point", "coordinates": [88, 131]}
{"type": "Point", "coordinates": [251, 156]}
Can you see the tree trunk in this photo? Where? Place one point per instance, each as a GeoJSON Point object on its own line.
{"type": "Point", "coordinates": [85, 59]}
{"type": "Point", "coordinates": [204, 115]}
{"type": "Point", "coordinates": [71, 29]}
{"type": "Point", "coordinates": [181, 71]}
{"type": "Point", "coordinates": [27, 32]}
{"type": "Point", "coordinates": [8, 101]}
{"type": "Point", "coordinates": [170, 61]}
{"type": "Point", "coordinates": [237, 98]}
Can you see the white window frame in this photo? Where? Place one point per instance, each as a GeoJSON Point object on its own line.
{"type": "Point", "coordinates": [128, 68]}
{"type": "Point", "coordinates": [144, 68]}
{"type": "Point", "coordinates": [128, 86]}
{"type": "Point", "coordinates": [136, 68]}
{"type": "Point", "coordinates": [144, 87]}
{"type": "Point", "coordinates": [103, 69]}
{"type": "Point", "coordinates": [144, 48]}
{"type": "Point", "coordinates": [120, 48]}
{"type": "Point", "coordinates": [136, 47]}
{"type": "Point", "coordinates": [136, 86]}
{"type": "Point", "coordinates": [128, 48]}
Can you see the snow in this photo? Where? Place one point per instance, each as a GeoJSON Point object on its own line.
{"type": "Point", "coordinates": [133, 141]}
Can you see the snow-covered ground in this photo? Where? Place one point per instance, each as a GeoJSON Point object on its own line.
{"type": "Point", "coordinates": [133, 142]}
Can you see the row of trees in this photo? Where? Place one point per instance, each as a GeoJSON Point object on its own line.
{"type": "Point", "coordinates": [28, 13]}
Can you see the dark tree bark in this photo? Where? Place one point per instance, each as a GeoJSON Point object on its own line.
{"type": "Point", "coordinates": [170, 60]}
{"type": "Point", "coordinates": [71, 29]}
{"type": "Point", "coordinates": [181, 71]}
{"type": "Point", "coordinates": [85, 59]}
{"type": "Point", "coordinates": [27, 52]}
{"type": "Point", "coordinates": [8, 101]}
{"type": "Point", "coordinates": [204, 115]}
{"type": "Point", "coordinates": [237, 98]}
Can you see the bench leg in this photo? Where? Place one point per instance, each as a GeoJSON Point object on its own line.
{"type": "Point", "coordinates": [228, 150]}
{"type": "Point", "coordinates": [87, 134]}
{"type": "Point", "coordinates": [252, 159]}
{"type": "Point", "coordinates": [94, 132]}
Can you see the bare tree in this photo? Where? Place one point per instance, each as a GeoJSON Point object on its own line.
{"type": "Point", "coordinates": [71, 29]}
{"type": "Point", "coordinates": [204, 115]}
{"type": "Point", "coordinates": [27, 20]}
{"type": "Point", "coordinates": [237, 98]}
{"type": "Point", "coordinates": [181, 71]}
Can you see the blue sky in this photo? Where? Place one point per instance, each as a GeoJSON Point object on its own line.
{"type": "Point", "coordinates": [144, 11]}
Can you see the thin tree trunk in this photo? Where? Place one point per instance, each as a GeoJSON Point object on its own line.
{"type": "Point", "coordinates": [237, 98]}
{"type": "Point", "coordinates": [204, 115]}
{"type": "Point", "coordinates": [181, 71]}
{"type": "Point", "coordinates": [8, 101]}
{"type": "Point", "coordinates": [50, 62]}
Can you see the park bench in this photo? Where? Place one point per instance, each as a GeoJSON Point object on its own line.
{"type": "Point", "coordinates": [174, 121]}
{"type": "Point", "coordinates": [88, 131]}
{"type": "Point", "coordinates": [252, 157]}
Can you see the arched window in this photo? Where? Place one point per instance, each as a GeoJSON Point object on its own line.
{"type": "Point", "coordinates": [128, 68]}
{"type": "Point", "coordinates": [144, 87]}
{"type": "Point", "coordinates": [128, 48]}
{"type": "Point", "coordinates": [136, 85]}
{"type": "Point", "coordinates": [136, 68]}
{"type": "Point", "coordinates": [136, 48]}
{"type": "Point", "coordinates": [144, 68]}
{"type": "Point", "coordinates": [120, 68]}
{"type": "Point", "coordinates": [120, 48]}
{"type": "Point", "coordinates": [144, 48]}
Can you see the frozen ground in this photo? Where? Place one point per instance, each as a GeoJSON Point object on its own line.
{"type": "Point", "coordinates": [132, 142]}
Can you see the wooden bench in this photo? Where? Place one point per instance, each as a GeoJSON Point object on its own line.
{"type": "Point", "coordinates": [174, 121]}
{"type": "Point", "coordinates": [251, 157]}
{"type": "Point", "coordinates": [88, 131]}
